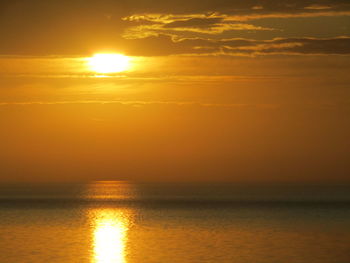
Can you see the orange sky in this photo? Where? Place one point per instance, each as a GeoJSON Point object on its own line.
{"type": "Point", "coordinates": [231, 91]}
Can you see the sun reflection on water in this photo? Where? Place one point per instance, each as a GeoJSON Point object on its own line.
{"type": "Point", "coordinates": [109, 224]}
{"type": "Point", "coordinates": [110, 228]}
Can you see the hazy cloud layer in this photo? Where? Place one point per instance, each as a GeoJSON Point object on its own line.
{"type": "Point", "coordinates": [33, 27]}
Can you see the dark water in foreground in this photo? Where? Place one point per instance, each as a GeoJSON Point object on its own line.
{"type": "Point", "coordinates": [123, 222]}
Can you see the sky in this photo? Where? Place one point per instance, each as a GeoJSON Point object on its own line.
{"type": "Point", "coordinates": [226, 90]}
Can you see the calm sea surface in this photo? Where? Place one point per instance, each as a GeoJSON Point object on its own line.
{"type": "Point", "coordinates": [106, 222]}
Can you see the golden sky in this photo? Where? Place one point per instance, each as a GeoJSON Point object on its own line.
{"type": "Point", "coordinates": [223, 90]}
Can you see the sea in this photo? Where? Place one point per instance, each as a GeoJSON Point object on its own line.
{"type": "Point", "coordinates": [126, 222]}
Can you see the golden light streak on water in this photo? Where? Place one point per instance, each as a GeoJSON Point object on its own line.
{"type": "Point", "coordinates": [109, 225]}
{"type": "Point", "coordinates": [110, 228]}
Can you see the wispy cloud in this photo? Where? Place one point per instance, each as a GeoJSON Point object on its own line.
{"type": "Point", "coordinates": [211, 24]}
{"type": "Point", "coordinates": [141, 103]}
{"type": "Point", "coordinates": [235, 31]}
{"type": "Point", "coordinates": [318, 7]}
{"type": "Point", "coordinates": [64, 28]}
{"type": "Point", "coordinates": [144, 103]}
{"type": "Point", "coordinates": [254, 13]}
{"type": "Point", "coordinates": [247, 47]}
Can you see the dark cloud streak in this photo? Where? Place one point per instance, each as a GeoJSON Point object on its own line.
{"type": "Point", "coordinates": [238, 47]}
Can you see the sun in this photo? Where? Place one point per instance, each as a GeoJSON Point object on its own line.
{"type": "Point", "coordinates": [109, 63]}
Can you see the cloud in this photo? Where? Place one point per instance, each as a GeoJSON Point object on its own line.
{"type": "Point", "coordinates": [340, 45]}
{"type": "Point", "coordinates": [318, 7]}
{"type": "Point", "coordinates": [244, 11]}
{"type": "Point", "coordinates": [138, 103]}
{"type": "Point", "coordinates": [195, 22]}
{"type": "Point", "coordinates": [239, 7]}
{"type": "Point", "coordinates": [210, 24]}
{"type": "Point", "coordinates": [214, 29]}
{"type": "Point", "coordinates": [36, 27]}
{"type": "Point", "coordinates": [238, 23]}
{"type": "Point", "coordinates": [169, 45]}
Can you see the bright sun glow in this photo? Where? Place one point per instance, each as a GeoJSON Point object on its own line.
{"type": "Point", "coordinates": [109, 63]}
